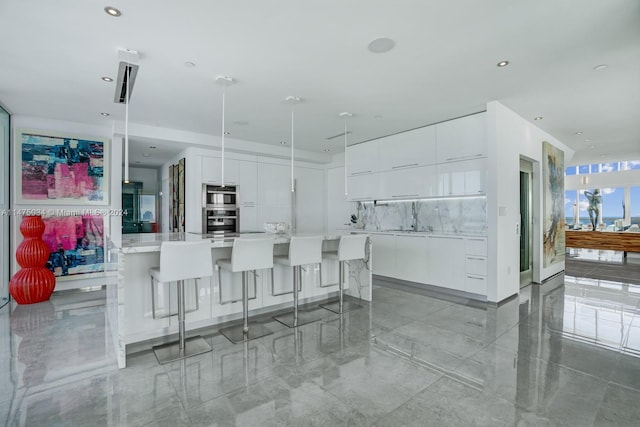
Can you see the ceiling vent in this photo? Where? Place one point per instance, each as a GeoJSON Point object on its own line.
{"type": "Point", "coordinates": [338, 135]}
{"type": "Point", "coordinates": [127, 68]}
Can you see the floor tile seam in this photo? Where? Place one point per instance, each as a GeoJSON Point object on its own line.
{"type": "Point", "coordinates": [625, 386]}
{"type": "Point", "coordinates": [575, 370]}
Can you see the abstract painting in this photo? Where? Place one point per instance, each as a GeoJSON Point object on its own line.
{"type": "Point", "coordinates": [553, 204]}
{"type": "Point", "coordinates": [177, 196]}
{"type": "Point", "coordinates": [61, 169]}
{"type": "Point", "coordinates": [76, 244]}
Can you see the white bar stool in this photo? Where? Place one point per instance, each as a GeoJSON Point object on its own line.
{"type": "Point", "coordinates": [303, 250]}
{"type": "Point", "coordinates": [350, 248]}
{"type": "Point", "coordinates": [247, 255]}
{"type": "Point", "coordinates": [180, 261]}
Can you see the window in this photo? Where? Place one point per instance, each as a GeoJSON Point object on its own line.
{"type": "Point", "coordinates": [634, 209]}
{"type": "Point", "coordinates": [631, 164]}
{"type": "Point", "coordinates": [570, 206]}
{"type": "Point", "coordinates": [583, 169]}
{"type": "Point", "coordinates": [612, 202]}
{"type": "Point", "coordinates": [595, 168]}
{"type": "Point", "coordinates": [571, 170]}
{"type": "Point", "coordinates": [609, 167]}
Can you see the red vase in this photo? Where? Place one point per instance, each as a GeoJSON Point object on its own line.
{"type": "Point", "coordinates": [33, 283]}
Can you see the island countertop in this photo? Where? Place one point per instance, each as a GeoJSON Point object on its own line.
{"type": "Point", "coordinates": [150, 242]}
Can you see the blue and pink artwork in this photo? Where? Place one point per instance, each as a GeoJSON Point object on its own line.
{"type": "Point", "coordinates": [62, 170]}
{"type": "Point", "coordinates": [76, 244]}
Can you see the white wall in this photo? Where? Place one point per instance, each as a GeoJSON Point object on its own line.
{"type": "Point", "coordinates": [511, 137]}
{"type": "Point", "coordinates": [148, 177]}
{"type": "Point", "coordinates": [5, 252]}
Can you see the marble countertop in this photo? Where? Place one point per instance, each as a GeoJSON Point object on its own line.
{"type": "Point", "coordinates": [150, 242]}
{"type": "Point", "coordinates": [420, 233]}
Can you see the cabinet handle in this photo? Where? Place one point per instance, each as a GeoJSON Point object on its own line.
{"type": "Point", "coordinates": [464, 157]}
{"type": "Point", "coordinates": [404, 166]}
{"type": "Point", "coordinates": [476, 258]}
{"type": "Point", "coordinates": [360, 173]}
{"type": "Point", "coordinates": [477, 240]}
{"type": "Point", "coordinates": [406, 195]}
{"type": "Point", "coordinates": [446, 237]}
{"type": "Point", "coordinates": [475, 278]}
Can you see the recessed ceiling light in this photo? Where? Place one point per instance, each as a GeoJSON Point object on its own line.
{"type": "Point", "coordinates": [600, 67]}
{"type": "Point", "coordinates": [587, 140]}
{"type": "Point", "coordinates": [602, 155]}
{"type": "Point", "coordinates": [579, 132]}
{"type": "Point", "coordinates": [146, 155]}
{"type": "Point", "coordinates": [153, 147]}
{"type": "Point", "coordinates": [283, 142]}
{"type": "Point", "coordinates": [107, 79]}
{"type": "Point", "coordinates": [326, 150]}
{"type": "Point", "coordinates": [105, 114]}
{"type": "Point", "coordinates": [227, 133]}
{"type": "Point", "coordinates": [112, 11]}
{"type": "Point", "coordinates": [189, 64]}
{"type": "Point", "coordinates": [593, 146]}
{"type": "Point", "coordinates": [537, 118]}
{"type": "Point", "coordinates": [381, 45]}
{"type": "Point", "coordinates": [502, 64]}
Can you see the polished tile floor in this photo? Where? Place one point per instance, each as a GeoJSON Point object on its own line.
{"type": "Point", "coordinates": [565, 353]}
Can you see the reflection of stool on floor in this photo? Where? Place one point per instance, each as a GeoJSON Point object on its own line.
{"type": "Point", "coordinates": [247, 255]}
{"type": "Point", "coordinates": [350, 248]}
{"type": "Point", "coordinates": [180, 261]}
{"type": "Point", "coordinates": [302, 251]}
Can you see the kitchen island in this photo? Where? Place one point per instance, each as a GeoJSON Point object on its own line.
{"type": "Point", "coordinates": [141, 314]}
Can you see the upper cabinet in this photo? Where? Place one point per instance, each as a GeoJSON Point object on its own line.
{"type": "Point", "coordinates": [362, 159]}
{"type": "Point", "coordinates": [408, 149]}
{"type": "Point", "coordinates": [212, 166]}
{"type": "Point", "coordinates": [462, 139]}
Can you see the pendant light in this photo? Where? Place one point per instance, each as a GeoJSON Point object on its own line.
{"type": "Point", "coordinates": [224, 80]}
{"type": "Point", "coordinates": [293, 100]}
{"type": "Point", "coordinates": [345, 115]}
{"type": "Point", "coordinates": [126, 121]}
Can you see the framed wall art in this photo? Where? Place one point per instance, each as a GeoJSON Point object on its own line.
{"type": "Point", "coordinates": [61, 169]}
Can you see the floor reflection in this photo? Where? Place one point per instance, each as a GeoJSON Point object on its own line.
{"type": "Point", "coordinates": [563, 353]}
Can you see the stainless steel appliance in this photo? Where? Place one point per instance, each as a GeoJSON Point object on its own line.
{"type": "Point", "coordinates": [220, 213]}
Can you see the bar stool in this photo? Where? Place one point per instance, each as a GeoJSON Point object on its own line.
{"type": "Point", "coordinates": [303, 250]}
{"type": "Point", "coordinates": [350, 248]}
{"type": "Point", "coordinates": [247, 255]}
{"type": "Point", "coordinates": [180, 261]}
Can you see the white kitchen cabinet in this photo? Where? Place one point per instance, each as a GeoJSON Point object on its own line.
{"type": "Point", "coordinates": [248, 195]}
{"type": "Point", "coordinates": [363, 187]}
{"type": "Point", "coordinates": [274, 193]}
{"type": "Point", "coordinates": [408, 183]}
{"type": "Point", "coordinates": [211, 170]}
{"type": "Point", "coordinates": [462, 139]}
{"type": "Point", "coordinates": [476, 265]}
{"type": "Point", "coordinates": [475, 284]}
{"type": "Point", "coordinates": [384, 254]}
{"type": "Point", "coordinates": [466, 177]}
{"type": "Point", "coordinates": [411, 257]}
{"type": "Point", "coordinates": [476, 246]}
{"type": "Point", "coordinates": [446, 262]}
{"type": "Point", "coordinates": [362, 158]}
{"type": "Point", "coordinates": [408, 149]}
{"type": "Point", "coordinates": [310, 199]}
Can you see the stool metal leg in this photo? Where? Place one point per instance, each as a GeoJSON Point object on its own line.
{"type": "Point", "coordinates": [341, 305]}
{"type": "Point", "coordinates": [246, 331]}
{"type": "Point", "coordinates": [298, 317]}
{"type": "Point", "coordinates": [184, 347]}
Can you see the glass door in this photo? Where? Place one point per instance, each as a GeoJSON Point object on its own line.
{"type": "Point", "coordinates": [5, 254]}
{"type": "Point", "coordinates": [526, 258]}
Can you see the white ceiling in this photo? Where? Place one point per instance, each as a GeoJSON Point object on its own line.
{"type": "Point", "coordinates": [53, 54]}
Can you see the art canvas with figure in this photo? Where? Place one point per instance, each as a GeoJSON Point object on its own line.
{"type": "Point", "coordinates": [553, 204]}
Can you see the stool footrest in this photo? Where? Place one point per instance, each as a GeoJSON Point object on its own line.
{"type": "Point", "coordinates": [236, 334]}
{"type": "Point", "coordinates": [346, 306]}
{"type": "Point", "coordinates": [171, 352]}
{"type": "Point", "coordinates": [304, 317]}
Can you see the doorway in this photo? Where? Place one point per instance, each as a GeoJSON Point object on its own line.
{"type": "Point", "coordinates": [526, 223]}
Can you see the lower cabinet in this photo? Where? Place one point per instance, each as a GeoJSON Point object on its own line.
{"type": "Point", "coordinates": [446, 261]}
{"type": "Point", "coordinates": [384, 254]}
{"type": "Point", "coordinates": [411, 258]}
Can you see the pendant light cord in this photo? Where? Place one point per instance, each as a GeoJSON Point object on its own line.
{"type": "Point", "coordinates": [224, 93]}
{"type": "Point", "coordinates": [292, 144]}
{"type": "Point", "coordinates": [345, 157]}
{"type": "Point", "coordinates": [126, 126]}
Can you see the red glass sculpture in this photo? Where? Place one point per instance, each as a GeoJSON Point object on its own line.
{"type": "Point", "coordinates": [33, 283]}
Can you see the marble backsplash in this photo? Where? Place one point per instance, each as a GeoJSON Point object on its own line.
{"type": "Point", "coordinates": [455, 215]}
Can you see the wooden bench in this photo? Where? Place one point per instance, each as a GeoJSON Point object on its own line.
{"type": "Point", "coordinates": [605, 240]}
